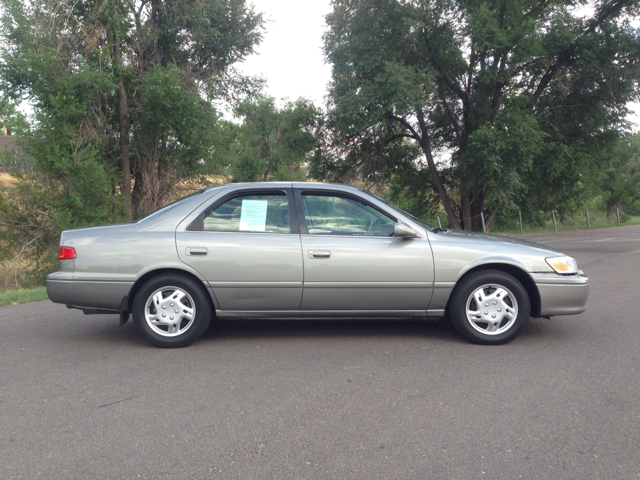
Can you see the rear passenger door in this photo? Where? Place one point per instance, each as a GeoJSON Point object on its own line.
{"type": "Point", "coordinates": [248, 248]}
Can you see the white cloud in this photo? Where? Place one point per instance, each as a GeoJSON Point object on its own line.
{"type": "Point", "coordinates": [290, 56]}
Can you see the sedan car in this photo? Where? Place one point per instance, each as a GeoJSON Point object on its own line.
{"type": "Point", "coordinates": [307, 250]}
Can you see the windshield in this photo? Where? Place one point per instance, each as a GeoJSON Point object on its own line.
{"type": "Point", "coordinates": [170, 206]}
{"type": "Point", "coordinates": [392, 206]}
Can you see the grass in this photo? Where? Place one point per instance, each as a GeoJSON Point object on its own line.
{"type": "Point", "coordinates": [14, 297]}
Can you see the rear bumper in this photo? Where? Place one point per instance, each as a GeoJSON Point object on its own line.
{"type": "Point", "coordinates": [62, 288]}
{"type": "Point", "coordinates": [562, 295]}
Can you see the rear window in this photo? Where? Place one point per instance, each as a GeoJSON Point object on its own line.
{"type": "Point", "coordinates": [166, 208]}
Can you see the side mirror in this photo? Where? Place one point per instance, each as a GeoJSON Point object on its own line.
{"type": "Point", "coordinates": [403, 231]}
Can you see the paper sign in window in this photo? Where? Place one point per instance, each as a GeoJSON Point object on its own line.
{"type": "Point", "coordinates": [253, 216]}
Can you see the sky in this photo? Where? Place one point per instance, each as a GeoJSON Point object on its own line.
{"type": "Point", "coordinates": [290, 55]}
{"type": "Point", "coordinates": [294, 31]}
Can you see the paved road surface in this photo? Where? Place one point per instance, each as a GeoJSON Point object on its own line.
{"type": "Point", "coordinates": [81, 397]}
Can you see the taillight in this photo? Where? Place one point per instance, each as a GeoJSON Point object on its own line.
{"type": "Point", "coordinates": [66, 253]}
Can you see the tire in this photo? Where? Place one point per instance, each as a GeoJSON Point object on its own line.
{"type": "Point", "coordinates": [489, 307]}
{"type": "Point", "coordinates": [172, 311]}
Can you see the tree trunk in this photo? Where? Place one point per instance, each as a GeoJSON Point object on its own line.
{"type": "Point", "coordinates": [611, 205]}
{"type": "Point", "coordinates": [123, 107]}
{"type": "Point", "coordinates": [265, 177]}
{"type": "Point", "coordinates": [124, 151]}
{"type": "Point", "coordinates": [476, 216]}
{"type": "Point", "coordinates": [426, 148]}
{"type": "Point", "coordinates": [465, 203]}
{"type": "Point", "coordinates": [493, 214]}
{"type": "Point", "coordinates": [138, 187]}
{"type": "Point", "coordinates": [477, 204]}
{"type": "Point", "coordinates": [154, 27]}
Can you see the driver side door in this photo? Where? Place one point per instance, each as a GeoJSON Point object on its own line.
{"type": "Point", "coordinates": [352, 261]}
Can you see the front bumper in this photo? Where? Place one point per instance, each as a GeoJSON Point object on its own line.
{"type": "Point", "coordinates": [562, 294]}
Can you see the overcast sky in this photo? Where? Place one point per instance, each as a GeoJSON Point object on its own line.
{"type": "Point", "coordinates": [290, 57]}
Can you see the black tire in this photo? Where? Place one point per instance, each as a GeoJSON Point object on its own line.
{"type": "Point", "coordinates": [179, 298]}
{"type": "Point", "coordinates": [499, 318]}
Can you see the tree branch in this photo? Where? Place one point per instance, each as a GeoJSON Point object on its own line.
{"type": "Point", "coordinates": [567, 54]}
{"type": "Point", "coordinates": [407, 125]}
{"type": "Point", "coordinates": [451, 117]}
{"type": "Point", "coordinates": [400, 135]}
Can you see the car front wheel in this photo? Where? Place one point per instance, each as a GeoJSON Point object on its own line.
{"type": "Point", "coordinates": [489, 307]}
{"type": "Point", "coordinates": [171, 311]}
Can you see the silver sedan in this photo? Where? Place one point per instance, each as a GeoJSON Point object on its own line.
{"type": "Point", "coordinates": [307, 250]}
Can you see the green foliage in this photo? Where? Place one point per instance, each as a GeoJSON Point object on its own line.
{"type": "Point", "coordinates": [42, 204]}
{"type": "Point", "coordinates": [271, 143]}
{"type": "Point", "coordinates": [10, 118]}
{"type": "Point", "coordinates": [172, 139]}
{"type": "Point", "coordinates": [129, 78]}
{"type": "Point", "coordinates": [510, 103]}
{"type": "Point", "coordinates": [621, 183]}
{"type": "Point", "coordinates": [122, 95]}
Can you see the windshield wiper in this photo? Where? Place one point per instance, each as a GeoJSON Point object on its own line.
{"type": "Point", "coordinates": [439, 229]}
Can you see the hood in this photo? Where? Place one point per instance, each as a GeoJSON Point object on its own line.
{"type": "Point", "coordinates": [486, 238]}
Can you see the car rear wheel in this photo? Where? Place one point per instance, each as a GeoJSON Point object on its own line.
{"type": "Point", "coordinates": [171, 311]}
{"type": "Point", "coordinates": [489, 307]}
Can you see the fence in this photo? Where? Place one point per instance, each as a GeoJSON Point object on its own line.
{"type": "Point", "coordinates": [526, 222]}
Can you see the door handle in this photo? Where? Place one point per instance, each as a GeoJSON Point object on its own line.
{"type": "Point", "coordinates": [197, 251]}
{"type": "Point", "coordinates": [319, 254]}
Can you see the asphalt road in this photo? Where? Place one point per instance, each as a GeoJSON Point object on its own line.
{"type": "Point", "coordinates": [81, 397]}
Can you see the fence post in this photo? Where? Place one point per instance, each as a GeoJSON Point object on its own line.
{"type": "Point", "coordinates": [618, 214]}
{"type": "Point", "coordinates": [439, 224]}
{"type": "Point", "coordinates": [553, 214]}
{"type": "Point", "coordinates": [484, 230]}
{"type": "Point", "coordinates": [520, 217]}
{"type": "Point", "coordinates": [588, 222]}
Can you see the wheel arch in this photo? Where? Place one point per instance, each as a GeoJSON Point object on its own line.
{"type": "Point", "coordinates": [518, 273]}
{"type": "Point", "coordinates": [154, 273]}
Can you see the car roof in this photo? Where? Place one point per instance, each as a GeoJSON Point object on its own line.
{"type": "Point", "coordinates": [323, 185]}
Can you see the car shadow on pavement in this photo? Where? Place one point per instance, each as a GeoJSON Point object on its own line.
{"type": "Point", "coordinates": [346, 328]}
{"type": "Point", "coordinates": [107, 331]}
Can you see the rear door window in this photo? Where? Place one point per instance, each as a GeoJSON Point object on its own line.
{"type": "Point", "coordinates": [266, 213]}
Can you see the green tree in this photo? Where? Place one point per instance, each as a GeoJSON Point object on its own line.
{"type": "Point", "coordinates": [131, 80]}
{"type": "Point", "coordinates": [11, 120]}
{"type": "Point", "coordinates": [122, 94]}
{"type": "Point", "coordinates": [271, 143]}
{"type": "Point", "coordinates": [621, 182]}
{"type": "Point", "coordinates": [509, 102]}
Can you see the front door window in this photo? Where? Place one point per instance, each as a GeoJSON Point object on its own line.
{"type": "Point", "coordinates": [334, 215]}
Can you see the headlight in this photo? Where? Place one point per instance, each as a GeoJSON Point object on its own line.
{"type": "Point", "coordinates": [563, 265]}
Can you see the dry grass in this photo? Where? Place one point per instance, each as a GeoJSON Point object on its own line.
{"type": "Point", "coordinates": [6, 181]}
{"type": "Point", "coordinates": [4, 271]}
